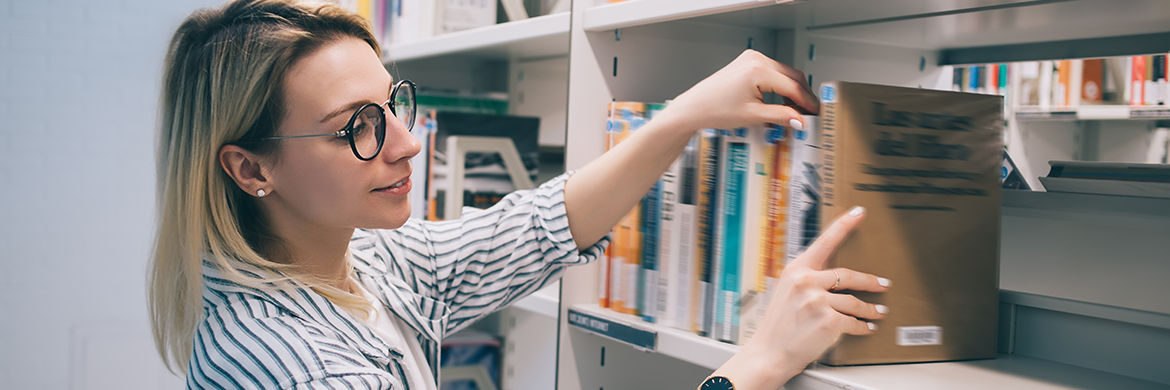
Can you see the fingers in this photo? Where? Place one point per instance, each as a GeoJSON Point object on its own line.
{"type": "Point", "coordinates": [789, 71]}
{"type": "Point", "coordinates": [781, 115]}
{"type": "Point", "coordinates": [787, 86]}
{"type": "Point", "coordinates": [856, 327]}
{"type": "Point", "coordinates": [851, 306]}
{"type": "Point", "coordinates": [814, 257]}
{"type": "Point", "coordinates": [847, 279]}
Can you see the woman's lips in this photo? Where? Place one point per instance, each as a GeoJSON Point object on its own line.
{"type": "Point", "coordinates": [397, 189]}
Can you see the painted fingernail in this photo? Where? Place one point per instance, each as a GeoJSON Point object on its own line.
{"type": "Point", "coordinates": [856, 210]}
{"type": "Point", "coordinates": [882, 309]}
{"type": "Point", "coordinates": [795, 124]}
{"type": "Point", "coordinates": [883, 282]}
{"type": "Point", "coordinates": [871, 326]}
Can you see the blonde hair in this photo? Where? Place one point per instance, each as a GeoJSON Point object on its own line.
{"type": "Point", "coordinates": [223, 84]}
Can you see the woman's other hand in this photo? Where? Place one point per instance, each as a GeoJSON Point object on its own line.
{"type": "Point", "coordinates": [805, 317]}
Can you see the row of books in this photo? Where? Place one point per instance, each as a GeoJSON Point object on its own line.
{"type": "Point", "coordinates": [405, 21]}
{"type": "Point", "coordinates": [1135, 81]}
{"type": "Point", "coordinates": [703, 247]}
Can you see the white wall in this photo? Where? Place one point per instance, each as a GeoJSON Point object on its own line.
{"type": "Point", "coordinates": [79, 82]}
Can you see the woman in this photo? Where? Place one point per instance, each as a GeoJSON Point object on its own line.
{"type": "Point", "coordinates": [285, 258]}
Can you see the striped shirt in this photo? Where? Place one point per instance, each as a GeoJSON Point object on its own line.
{"type": "Point", "coordinates": [437, 277]}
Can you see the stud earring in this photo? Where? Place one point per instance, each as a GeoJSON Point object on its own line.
{"type": "Point", "coordinates": [260, 193]}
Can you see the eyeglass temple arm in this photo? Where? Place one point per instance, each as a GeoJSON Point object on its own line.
{"type": "Point", "coordinates": [339, 133]}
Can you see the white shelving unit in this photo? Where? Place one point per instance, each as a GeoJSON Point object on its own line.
{"type": "Point", "coordinates": [1098, 113]}
{"type": "Point", "coordinates": [1082, 291]}
{"type": "Point", "coordinates": [527, 57]}
{"type": "Point", "coordinates": [541, 36]}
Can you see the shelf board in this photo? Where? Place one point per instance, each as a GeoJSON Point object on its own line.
{"type": "Point", "coordinates": [1006, 372]}
{"type": "Point", "coordinates": [1086, 203]}
{"type": "Point", "coordinates": [641, 12]}
{"type": "Point", "coordinates": [958, 24]}
{"type": "Point", "coordinates": [542, 36]}
{"type": "Point", "coordinates": [676, 343]}
{"type": "Point", "coordinates": [1103, 112]}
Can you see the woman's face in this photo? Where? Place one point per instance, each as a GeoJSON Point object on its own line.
{"type": "Point", "coordinates": [318, 180]}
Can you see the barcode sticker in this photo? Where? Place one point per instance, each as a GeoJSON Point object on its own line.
{"type": "Point", "coordinates": [919, 335]}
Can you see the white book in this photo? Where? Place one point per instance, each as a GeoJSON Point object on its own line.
{"type": "Point", "coordinates": [1076, 78]}
{"type": "Point", "coordinates": [804, 199]}
{"type": "Point", "coordinates": [684, 239]}
{"type": "Point", "coordinates": [1046, 75]}
{"type": "Point", "coordinates": [668, 236]}
{"type": "Point", "coordinates": [762, 144]}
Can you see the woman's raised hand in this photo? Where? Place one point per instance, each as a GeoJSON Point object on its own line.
{"type": "Point", "coordinates": [733, 97]}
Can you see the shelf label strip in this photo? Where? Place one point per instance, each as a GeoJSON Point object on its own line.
{"type": "Point", "coordinates": [643, 339]}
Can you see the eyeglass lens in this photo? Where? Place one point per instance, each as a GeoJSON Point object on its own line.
{"type": "Point", "coordinates": [368, 131]}
{"type": "Point", "coordinates": [404, 107]}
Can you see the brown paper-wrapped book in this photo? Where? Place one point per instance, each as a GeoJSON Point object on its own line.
{"type": "Point", "coordinates": [925, 164]}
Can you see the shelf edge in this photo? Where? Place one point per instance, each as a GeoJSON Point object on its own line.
{"type": "Point", "coordinates": [481, 38]}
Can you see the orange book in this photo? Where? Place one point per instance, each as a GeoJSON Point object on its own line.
{"type": "Point", "coordinates": [1063, 83]}
{"type": "Point", "coordinates": [626, 248]}
{"type": "Point", "coordinates": [1137, 89]}
{"type": "Point", "coordinates": [1092, 81]}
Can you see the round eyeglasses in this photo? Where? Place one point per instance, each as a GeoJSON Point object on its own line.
{"type": "Point", "coordinates": [366, 130]}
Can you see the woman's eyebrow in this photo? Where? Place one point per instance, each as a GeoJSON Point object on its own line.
{"type": "Point", "coordinates": [344, 109]}
{"type": "Point", "coordinates": [353, 106]}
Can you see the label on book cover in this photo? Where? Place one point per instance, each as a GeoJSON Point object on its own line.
{"type": "Point", "coordinates": [615, 330]}
{"type": "Point", "coordinates": [919, 335]}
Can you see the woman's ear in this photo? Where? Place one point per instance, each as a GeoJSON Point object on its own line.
{"type": "Point", "coordinates": [246, 169]}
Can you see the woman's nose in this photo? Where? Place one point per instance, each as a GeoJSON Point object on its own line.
{"type": "Point", "coordinates": [399, 144]}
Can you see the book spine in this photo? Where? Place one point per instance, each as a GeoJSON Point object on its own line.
{"type": "Point", "coordinates": [1159, 79]}
{"type": "Point", "coordinates": [719, 250]}
{"type": "Point", "coordinates": [687, 222]}
{"type": "Point", "coordinates": [624, 119]}
{"type": "Point", "coordinates": [759, 215]}
{"type": "Point", "coordinates": [830, 156]}
{"type": "Point", "coordinates": [1093, 81]}
{"type": "Point", "coordinates": [1045, 98]}
{"type": "Point", "coordinates": [708, 182]}
{"type": "Point", "coordinates": [1138, 82]}
{"type": "Point", "coordinates": [778, 212]}
{"type": "Point", "coordinates": [667, 246]}
{"type": "Point", "coordinates": [804, 202]}
{"type": "Point", "coordinates": [648, 273]}
{"type": "Point", "coordinates": [1060, 95]}
{"type": "Point", "coordinates": [992, 80]}
{"type": "Point", "coordinates": [957, 79]}
{"type": "Point", "coordinates": [1165, 84]}
{"type": "Point", "coordinates": [1151, 89]}
{"type": "Point", "coordinates": [735, 183]}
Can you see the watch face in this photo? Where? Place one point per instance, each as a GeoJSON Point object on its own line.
{"type": "Point", "coordinates": [717, 383]}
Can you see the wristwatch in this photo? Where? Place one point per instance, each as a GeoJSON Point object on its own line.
{"type": "Point", "coordinates": [717, 382]}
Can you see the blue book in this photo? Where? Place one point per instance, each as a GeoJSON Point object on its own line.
{"type": "Point", "coordinates": [732, 236]}
{"type": "Point", "coordinates": [648, 275]}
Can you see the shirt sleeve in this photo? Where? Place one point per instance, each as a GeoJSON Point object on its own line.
{"type": "Point", "coordinates": [489, 258]}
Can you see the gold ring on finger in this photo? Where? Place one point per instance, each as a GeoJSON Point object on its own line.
{"type": "Point", "coordinates": [838, 282]}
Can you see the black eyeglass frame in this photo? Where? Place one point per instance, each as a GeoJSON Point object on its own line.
{"type": "Point", "coordinates": [347, 131]}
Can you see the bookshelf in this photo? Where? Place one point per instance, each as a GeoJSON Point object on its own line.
{"type": "Point", "coordinates": [523, 58]}
{"type": "Point", "coordinates": [540, 36]}
{"type": "Point", "coordinates": [1006, 372]}
{"type": "Point", "coordinates": [1080, 303]}
{"type": "Point", "coordinates": [1093, 113]}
